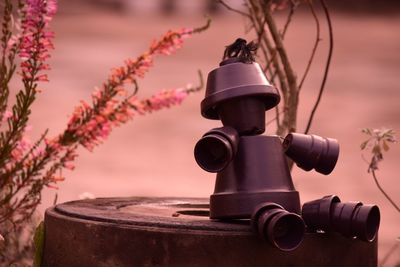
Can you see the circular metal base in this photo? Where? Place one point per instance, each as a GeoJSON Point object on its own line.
{"type": "Point", "coordinates": [177, 232]}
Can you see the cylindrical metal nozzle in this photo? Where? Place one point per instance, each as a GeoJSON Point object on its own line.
{"type": "Point", "coordinates": [216, 149]}
{"type": "Point", "coordinates": [312, 152]}
{"type": "Point", "coordinates": [283, 229]}
{"type": "Point", "coordinates": [352, 219]}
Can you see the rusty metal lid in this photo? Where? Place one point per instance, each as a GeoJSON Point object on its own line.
{"type": "Point", "coordinates": [187, 213]}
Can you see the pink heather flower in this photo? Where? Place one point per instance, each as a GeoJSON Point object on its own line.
{"type": "Point", "coordinates": [98, 128]}
{"type": "Point", "coordinates": [90, 125]}
{"type": "Point", "coordinates": [51, 9]}
{"type": "Point", "coordinates": [7, 114]}
{"type": "Point", "coordinates": [163, 99]}
{"type": "Point", "coordinates": [38, 152]}
{"type": "Point", "coordinates": [21, 148]}
{"type": "Point", "coordinates": [172, 41]}
{"type": "Point", "coordinates": [137, 68]}
{"type": "Point", "coordinates": [36, 39]}
{"type": "Point", "coordinates": [69, 165]}
{"type": "Point", "coordinates": [53, 144]}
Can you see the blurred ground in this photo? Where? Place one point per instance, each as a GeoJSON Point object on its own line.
{"type": "Point", "coordinates": [152, 155]}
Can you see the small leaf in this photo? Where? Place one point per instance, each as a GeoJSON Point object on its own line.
{"type": "Point", "coordinates": [385, 145]}
{"type": "Point", "coordinates": [364, 144]}
{"type": "Point", "coordinates": [376, 149]}
{"type": "Point", "coordinates": [366, 131]}
{"type": "Point", "coordinates": [385, 131]}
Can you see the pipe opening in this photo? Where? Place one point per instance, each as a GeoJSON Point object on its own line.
{"type": "Point", "coordinates": [213, 153]}
{"type": "Point", "coordinates": [287, 231]}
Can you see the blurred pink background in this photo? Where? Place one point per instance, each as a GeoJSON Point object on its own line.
{"type": "Point", "coordinates": [153, 155]}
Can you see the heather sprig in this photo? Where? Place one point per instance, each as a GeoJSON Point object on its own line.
{"type": "Point", "coordinates": [8, 52]}
{"type": "Point", "coordinates": [32, 43]}
{"type": "Point", "coordinates": [27, 167]}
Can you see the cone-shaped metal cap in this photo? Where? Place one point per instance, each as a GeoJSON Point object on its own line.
{"type": "Point", "coordinates": [236, 79]}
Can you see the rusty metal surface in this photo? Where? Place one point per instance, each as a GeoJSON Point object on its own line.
{"type": "Point", "coordinates": [177, 232]}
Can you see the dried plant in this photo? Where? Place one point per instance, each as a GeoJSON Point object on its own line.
{"type": "Point", "coordinates": [27, 167]}
{"type": "Point", "coordinates": [275, 59]}
{"type": "Point", "coordinates": [378, 142]}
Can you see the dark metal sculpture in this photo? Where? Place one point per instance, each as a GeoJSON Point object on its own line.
{"type": "Point", "coordinates": [253, 178]}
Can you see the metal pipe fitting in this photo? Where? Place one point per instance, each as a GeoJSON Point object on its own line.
{"type": "Point", "coordinates": [216, 149]}
{"type": "Point", "coordinates": [284, 230]}
{"type": "Point", "coordinates": [351, 219]}
{"type": "Point", "coordinates": [312, 152]}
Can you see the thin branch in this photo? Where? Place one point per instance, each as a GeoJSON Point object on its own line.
{"type": "Point", "coordinates": [261, 31]}
{"type": "Point", "coordinates": [317, 40]}
{"type": "Point", "coordinates": [293, 7]}
{"type": "Point", "coordinates": [383, 191]}
{"type": "Point", "coordinates": [328, 63]}
{"type": "Point", "coordinates": [204, 27]}
{"type": "Point", "coordinates": [290, 118]}
{"type": "Point", "coordinates": [291, 77]}
{"type": "Point", "coordinates": [264, 43]}
{"type": "Point", "coordinates": [222, 2]}
{"type": "Point", "coordinates": [258, 23]}
{"type": "Point", "coordinates": [200, 86]}
{"type": "Point", "coordinates": [389, 253]}
{"type": "Point", "coordinates": [278, 112]}
{"type": "Point", "coordinates": [277, 116]}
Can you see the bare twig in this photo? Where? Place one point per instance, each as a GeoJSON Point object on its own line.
{"type": "Point", "coordinates": [290, 118]}
{"type": "Point", "coordinates": [276, 59]}
{"type": "Point", "coordinates": [317, 40]}
{"type": "Point", "coordinates": [278, 71]}
{"type": "Point", "coordinates": [204, 27]}
{"type": "Point", "coordinates": [277, 112]}
{"type": "Point", "coordinates": [257, 21]}
{"type": "Point", "coordinates": [328, 63]}
{"type": "Point", "coordinates": [278, 119]}
{"type": "Point", "coordinates": [222, 2]}
{"type": "Point", "coordinates": [200, 86]}
{"type": "Point", "coordinates": [293, 7]}
{"type": "Point", "coordinates": [389, 253]}
{"type": "Point", "coordinates": [275, 69]}
{"type": "Point", "coordinates": [379, 140]}
{"type": "Point", "coordinates": [384, 192]}
{"type": "Point", "coordinates": [291, 77]}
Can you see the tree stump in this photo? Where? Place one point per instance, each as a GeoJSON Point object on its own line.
{"type": "Point", "coordinates": [177, 232]}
